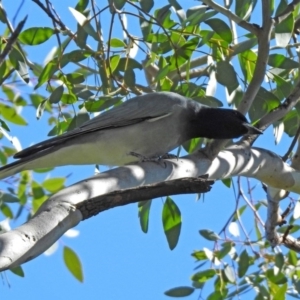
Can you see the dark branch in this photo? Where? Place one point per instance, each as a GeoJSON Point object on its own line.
{"type": "Point", "coordinates": [96, 205]}
{"type": "Point", "coordinates": [13, 38]}
{"type": "Point", "coordinates": [286, 156]}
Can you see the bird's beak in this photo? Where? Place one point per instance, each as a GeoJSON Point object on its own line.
{"type": "Point", "coordinates": [252, 130]}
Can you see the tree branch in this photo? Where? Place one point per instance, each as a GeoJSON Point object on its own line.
{"type": "Point", "coordinates": [59, 213]}
{"type": "Point", "coordinates": [226, 12]}
{"type": "Point", "coordinates": [289, 9]}
{"type": "Point", "coordinates": [13, 38]}
{"type": "Point", "coordinates": [96, 205]}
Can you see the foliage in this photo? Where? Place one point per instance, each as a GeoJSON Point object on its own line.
{"type": "Point", "coordinates": [188, 50]}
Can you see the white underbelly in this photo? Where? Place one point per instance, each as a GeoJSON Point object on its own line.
{"type": "Point", "coordinates": [112, 147]}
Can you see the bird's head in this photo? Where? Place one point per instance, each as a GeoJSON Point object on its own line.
{"type": "Point", "coordinates": [218, 123]}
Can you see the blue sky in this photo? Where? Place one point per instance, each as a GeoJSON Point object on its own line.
{"type": "Point", "coordinates": [119, 261]}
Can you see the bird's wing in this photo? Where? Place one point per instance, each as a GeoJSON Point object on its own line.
{"type": "Point", "coordinates": [133, 111]}
{"type": "Point", "coordinates": [136, 110]}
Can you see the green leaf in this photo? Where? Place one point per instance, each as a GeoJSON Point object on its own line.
{"type": "Point", "coordinates": [79, 119]}
{"type": "Point", "coordinates": [9, 151]}
{"type": "Point", "coordinates": [162, 13]}
{"type": "Point", "coordinates": [229, 272]}
{"type": "Point", "coordinates": [73, 263]}
{"type": "Point", "coordinates": [216, 295]}
{"type": "Point", "coordinates": [145, 27]}
{"type": "Point", "coordinates": [83, 93]}
{"type": "Point", "coordinates": [244, 8]}
{"type": "Point", "coordinates": [56, 94]}
{"type": "Point", "coordinates": [37, 190]}
{"type": "Point", "coordinates": [171, 218]}
{"type": "Point", "coordinates": [248, 62]}
{"type": "Point", "coordinates": [81, 37]}
{"type": "Point", "coordinates": [117, 43]}
{"type": "Point", "coordinates": [209, 235]}
{"type": "Point", "coordinates": [179, 10]}
{"type": "Point", "coordinates": [128, 63]}
{"type": "Point", "coordinates": [284, 229]}
{"type": "Point", "coordinates": [36, 35]}
{"type": "Point", "coordinates": [18, 271]}
{"type": "Point", "coordinates": [3, 15]}
{"type": "Point", "coordinates": [85, 23]}
{"type": "Point", "coordinates": [291, 122]}
{"type": "Point", "coordinates": [53, 185]}
{"type": "Point", "coordinates": [279, 261]}
{"type": "Point", "coordinates": [226, 75]}
{"type": "Point", "coordinates": [18, 61]}
{"type": "Point", "coordinates": [119, 4]}
{"type": "Point", "coordinates": [3, 158]}
{"type": "Point", "coordinates": [199, 255]}
{"type": "Point", "coordinates": [195, 14]}
{"type": "Point", "coordinates": [4, 68]}
{"type": "Point", "coordinates": [10, 114]}
{"type": "Point", "coordinates": [279, 278]}
{"type": "Point", "coordinates": [47, 73]}
{"type": "Point", "coordinates": [284, 29]}
{"type": "Point", "coordinates": [144, 210]}
{"type": "Point", "coordinates": [36, 101]}
{"type": "Point", "coordinates": [68, 99]}
{"type": "Point", "coordinates": [162, 73]}
{"type": "Point", "coordinates": [146, 5]}
{"type": "Point", "coordinates": [8, 198]}
{"type": "Point", "coordinates": [263, 103]}
{"type": "Point", "coordinates": [22, 187]}
{"type": "Point", "coordinates": [82, 5]}
{"type": "Point", "coordinates": [221, 28]}
{"type": "Point", "coordinates": [114, 62]}
{"type": "Point", "coordinates": [227, 182]}
{"type": "Point", "coordinates": [4, 125]}
{"type": "Point", "coordinates": [75, 78]}
{"type": "Point", "coordinates": [102, 103]}
{"type": "Point", "coordinates": [244, 46]}
{"type": "Point", "coordinates": [6, 211]}
{"type": "Point", "coordinates": [41, 108]}
{"type": "Point", "coordinates": [238, 213]}
{"type": "Point", "coordinates": [226, 247]}
{"type": "Point", "coordinates": [182, 291]}
{"type": "Point", "coordinates": [60, 127]}
{"type": "Point", "coordinates": [203, 276]}
{"type": "Point", "coordinates": [292, 258]}
{"type": "Point", "coordinates": [241, 289]}
{"type": "Point", "coordinates": [75, 56]}
{"type": "Point", "coordinates": [281, 292]}
{"type": "Point", "coordinates": [243, 264]}
{"type": "Point", "coordinates": [129, 77]}
{"type": "Point", "coordinates": [193, 144]}
{"type": "Point", "coordinates": [281, 61]}
{"type": "Point", "coordinates": [284, 87]}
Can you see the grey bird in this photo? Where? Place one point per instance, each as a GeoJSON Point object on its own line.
{"type": "Point", "coordinates": [149, 125]}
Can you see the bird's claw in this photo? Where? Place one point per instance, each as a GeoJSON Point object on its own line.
{"type": "Point", "coordinates": [156, 159]}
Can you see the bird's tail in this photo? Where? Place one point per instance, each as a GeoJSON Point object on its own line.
{"type": "Point", "coordinates": [14, 168]}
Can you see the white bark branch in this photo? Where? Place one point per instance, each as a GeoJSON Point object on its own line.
{"type": "Point", "coordinates": [58, 214]}
{"type": "Point", "coordinates": [229, 14]}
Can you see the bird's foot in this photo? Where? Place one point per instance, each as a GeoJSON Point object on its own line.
{"type": "Point", "coordinates": [156, 159]}
{"type": "Point", "coordinates": [168, 156]}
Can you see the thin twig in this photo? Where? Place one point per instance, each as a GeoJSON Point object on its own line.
{"type": "Point", "coordinates": [228, 13]}
{"type": "Point", "coordinates": [54, 25]}
{"type": "Point", "coordinates": [294, 141]}
{"type": "Point", "coordinates": [13, 38]}
{"type": "Point", "coordinates": [288, 10]}
{"type": "Point", "coordinates": [50, 15]}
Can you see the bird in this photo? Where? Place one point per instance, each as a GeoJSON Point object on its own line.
{"type": "Point", "coordinates": [148, 125]}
